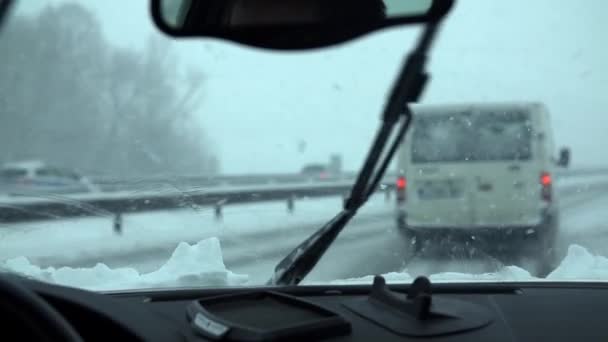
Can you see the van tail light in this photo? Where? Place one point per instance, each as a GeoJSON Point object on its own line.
{"type": "Point", "coordinates": [401, 186]}
{"type": "Point", "coordinates": [546, 182]}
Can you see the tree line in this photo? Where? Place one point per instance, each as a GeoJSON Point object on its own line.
{"type": "Point", "coordinates": [71, 98]}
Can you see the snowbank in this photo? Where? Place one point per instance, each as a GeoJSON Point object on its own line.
{"type": "Point", "coordinates": [507, 273]}
{"type": "Point", "coordinates": [200, 264]}
{"type": "Point", "coordinates": [578, 265]}
{"type": "Point", "coordinates": [581, 265]}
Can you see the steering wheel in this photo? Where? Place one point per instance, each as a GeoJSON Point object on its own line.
{"type": "Point", "coordinates": [29, 313]}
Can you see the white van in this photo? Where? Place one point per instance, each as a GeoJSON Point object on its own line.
{"type": "Point", "coordinates": [484, 170]}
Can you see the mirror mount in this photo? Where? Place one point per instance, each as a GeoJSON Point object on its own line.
{"type": "Point", "coordinates": [204, 21]}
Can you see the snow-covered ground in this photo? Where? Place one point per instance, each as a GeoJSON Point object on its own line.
{"type": "Point", "coordinates": [203, 254]}
{"type": "Point", "coordinates": [582, 181]}
{"type": "Point", "coordinates": [76, 238]}
{"type": "Point", "coordinates": [91, 237]}
{"type": "Point", "coordinates": [184, 268]}
{"type": "Point", "coordinates": [579, 265]}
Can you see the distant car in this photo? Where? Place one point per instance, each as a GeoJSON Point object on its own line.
{"type": "Point", "coordinates": [315, 171]}
{"type": "Point", "coordinates": [36, 177]}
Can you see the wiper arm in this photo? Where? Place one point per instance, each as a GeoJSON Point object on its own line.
{"type": "Point", "coordinates": [406, 89]}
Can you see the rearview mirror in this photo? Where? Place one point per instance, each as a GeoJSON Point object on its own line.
{"type": "Point", "coordinates": [290, 24]}
{"type": "Point", "coordinates": [564, 157]}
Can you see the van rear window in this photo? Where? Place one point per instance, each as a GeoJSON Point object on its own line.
{"type": "Point", "coordinates": [472, 136]}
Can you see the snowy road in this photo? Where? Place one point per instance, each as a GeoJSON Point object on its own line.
{"type": "Point", "coordinates": [585, 221]}
{"type": "Point", "coordinates": [254, 237]}
{"type": "Point", "coordinates": [373, 245]}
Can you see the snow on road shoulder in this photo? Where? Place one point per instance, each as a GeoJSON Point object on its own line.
{"type": "Point", "coordinates": [578, 265]}
{"type": "Point", "coordinates": [189, 265]}
{"type": "Point", "coordinates": [592, 216]}
{"type": "Point", "coordinates": [76, 238]}
{"type": "Point", "coordinates": [507, 273]}
{"type": "Point", "coordinates": [581, 265]}
{"type": "Point", "coordinates": [583, 181]}
{"type": "Point", "coordinates": [73, 238]}
{"type": "Point", "coordinates": [202, 265]}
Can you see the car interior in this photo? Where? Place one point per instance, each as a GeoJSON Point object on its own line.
{"type": "Point", "coordinates": [284, 310]}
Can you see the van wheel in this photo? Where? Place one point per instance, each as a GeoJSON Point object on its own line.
{"type": "Point", "coordinates": [545, 255]}
{"type": "Point", "coordinates": [411, 238]}
{"type": "Point", "coordinates": [539, 264]}
{"type": "Point", "coordinates": [547, 259]}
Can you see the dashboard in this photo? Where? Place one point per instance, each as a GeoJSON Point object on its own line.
{"type": "Point", "coordinates": [506, 312]}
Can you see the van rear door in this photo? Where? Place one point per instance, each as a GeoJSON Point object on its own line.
{"type": "Point", "coordinates": [474, 169]}
{"type": "Point", "coordinates": [506, 184]}
{"type": "Point", "coordinates": [439, 183]}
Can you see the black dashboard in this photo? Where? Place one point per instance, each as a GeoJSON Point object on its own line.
{"type": "Point", "coordinates": [512, 312]}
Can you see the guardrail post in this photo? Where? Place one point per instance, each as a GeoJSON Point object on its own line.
{"type": "Point", "coordinates": [387, 194]}
{"type": "Point", "coordinates": [117, 224]}
{"type": "Point", "coordinates": [218, 210]}
{"type": "Point", "coordinates": [290, 203]}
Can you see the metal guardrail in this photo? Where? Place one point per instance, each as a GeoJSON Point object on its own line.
{"type": "Point", "coordinates": [188, 192]}
{"type": "Point", "coordinates": [28, 209]}
{"type": "Point", "coordinates": [109, 184]}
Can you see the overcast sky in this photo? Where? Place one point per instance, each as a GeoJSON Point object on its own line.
{"type": "Point", "coordinates": [258, 105]}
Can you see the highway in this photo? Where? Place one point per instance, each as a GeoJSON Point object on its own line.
{"type": "Point", "coordinates": [370, 244]}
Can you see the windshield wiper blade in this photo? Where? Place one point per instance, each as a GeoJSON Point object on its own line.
{"type": "Point", "coordinates": [406, 89]}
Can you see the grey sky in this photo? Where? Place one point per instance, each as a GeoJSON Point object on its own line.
{"type": "Point", "coordinates": [258, 105]}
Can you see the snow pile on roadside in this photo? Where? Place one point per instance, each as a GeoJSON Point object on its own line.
{"type": "Point", "coordinates": [581, 265]}
{"type": "Point", "coordinates": [507, 273]}
{"type": "Point", "coordinates": [578, 265]}
{"type": "Point", "coordinates": [200, 264]}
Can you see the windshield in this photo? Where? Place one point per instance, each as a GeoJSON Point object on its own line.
{"type": "Point", "coordinates": [132, 160]}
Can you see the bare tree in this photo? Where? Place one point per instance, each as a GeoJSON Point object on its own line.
{"type": "Point", "coordinates": [69, 97]}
